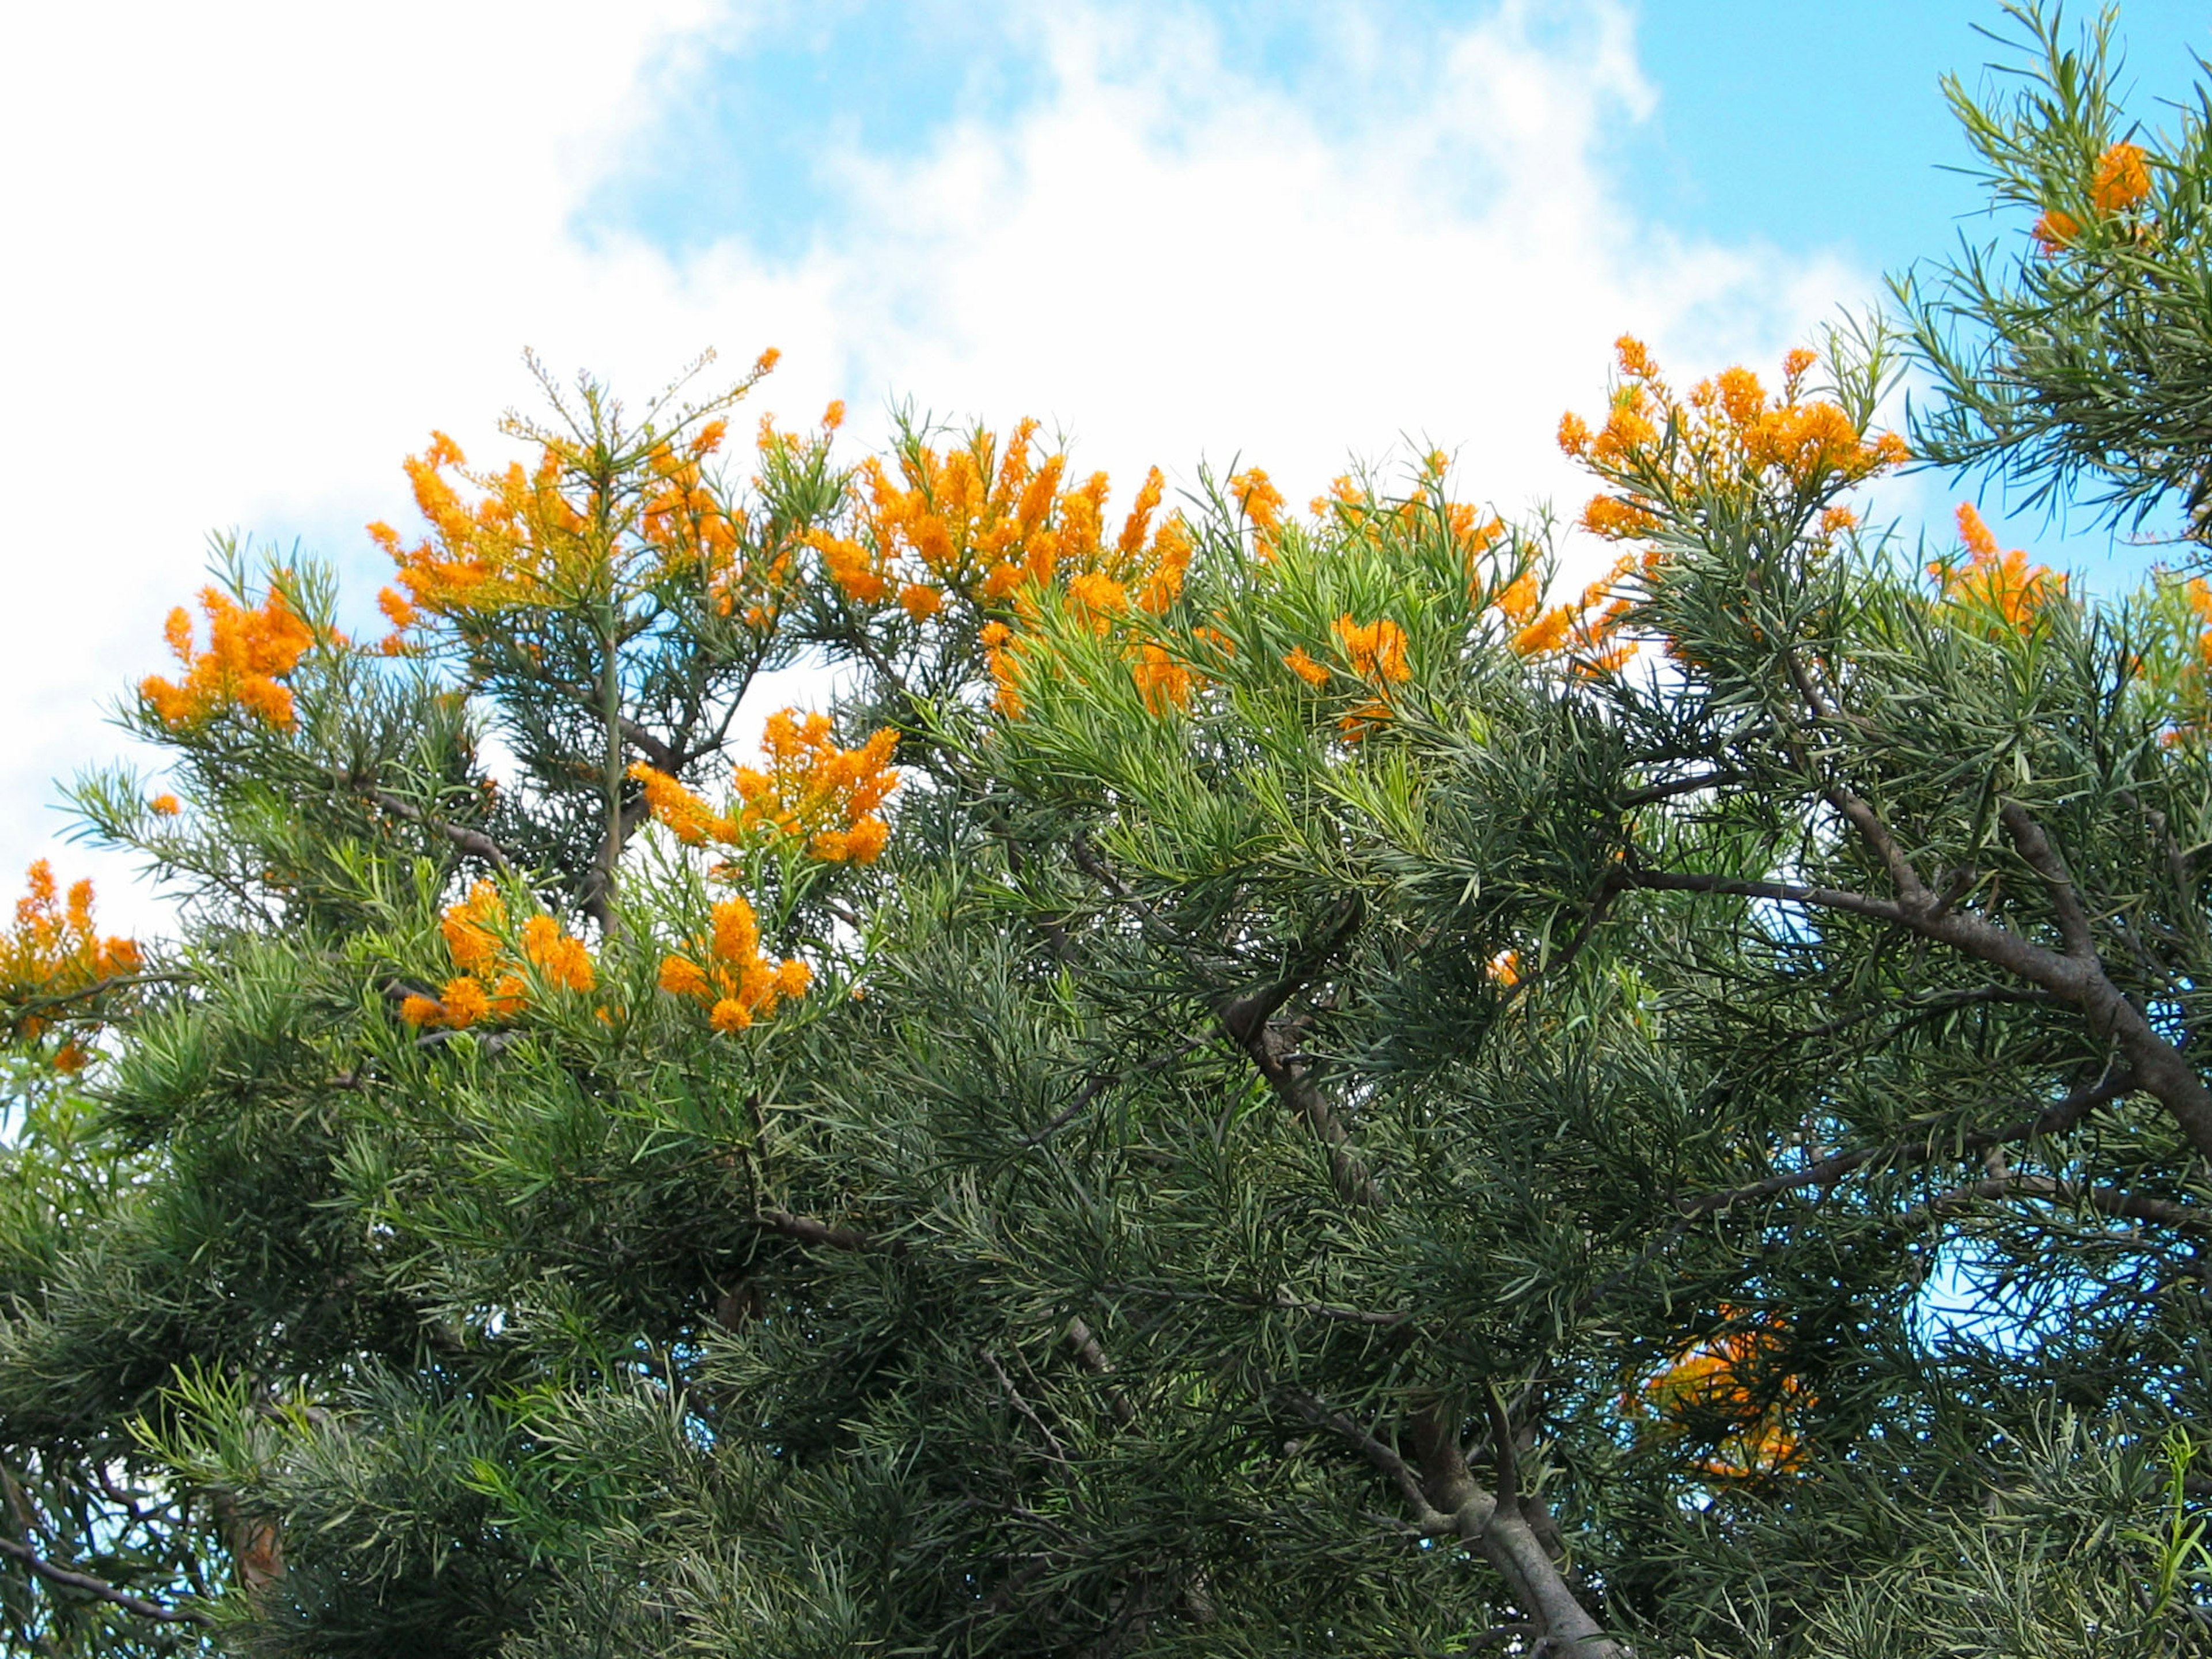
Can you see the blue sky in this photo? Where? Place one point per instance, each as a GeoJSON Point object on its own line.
{"type": "Point", "coordinates": [1810, 126]}
{"type": "Point", "coordinates": [1815, 130]}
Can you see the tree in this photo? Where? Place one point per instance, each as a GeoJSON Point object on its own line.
{"type": "Point", "coordinates": [1264, 1082]}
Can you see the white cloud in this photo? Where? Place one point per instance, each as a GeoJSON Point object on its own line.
{"type": "Point", "coordinates": [262, 249]}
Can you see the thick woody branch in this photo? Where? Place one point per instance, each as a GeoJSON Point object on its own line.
{"type": "Point", "coordinates": [2076, 975]}
{"type": "Point", "coordinates": [472, 842]}
{"type": "Point", "coordinates": [2035, 849]}
{"type": "Point", "coordinates": [102, 1590]}
{"type": "Point", "coordinates": [2105, 1201]}
{"type": "Point", "coordinates": [807, 1230]}
{"type": "Point", "coordinates": [2056, 1119]}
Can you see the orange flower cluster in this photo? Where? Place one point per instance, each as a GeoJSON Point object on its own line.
{"type": "Point", "coordinates": [812, 794]}
{"type": "Point", "coordinates": [1375, 650]}
{"type": "Point", "coordinates": [1376, 653]}
{"type": "Point", "coordinates": [1262, 503]}
{"type": "Point", "coordinates": [1727, 1383]}
{"type": "Point", "coordinates": [727, 973]}
{"type": "Point", "coordinates": [1588, 626]}
{"type": "Point", "coordinates": [53, 963]}
{"type": "Point", "coordinates": [1728, 436]}
{"type": "Point", "coordinates": [557, 531]}
{"type": "Point", "coordinates": [2120, 185]}
{"type": "Point", "coordinates": [2003, 585]}
{"type": "Point", "coordinates": [495, 981]}
{"type": "Point", "coordinates": [248, 656]}
{"type": "Point", "coordinates": [986, 524]}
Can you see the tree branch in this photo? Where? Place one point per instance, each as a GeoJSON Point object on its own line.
{"type": "Point", "coordinates": [807, 1230]}
{"type": "Point", "coordinates": [2054, 1119]}
{"type": "Point", "coordinates": [2105, 1201]}
{"type": "Point", "coordinates": [473, 841]}
{"type": "Point", "coordinates": [2042, 858]}
{"type": "Point", "coordinates": [102, 1590]}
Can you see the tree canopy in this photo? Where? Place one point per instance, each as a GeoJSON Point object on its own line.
{"type": "Point", "coordinates": [1256, 1082]}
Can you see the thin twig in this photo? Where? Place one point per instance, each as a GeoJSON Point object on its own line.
{"type": "Point", "coordinates": [100, 1588]}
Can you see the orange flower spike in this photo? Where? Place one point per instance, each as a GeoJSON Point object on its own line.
{"type": "Point", "coordinates": [249, 654]}
{"type": "Point", "coordinates": [736, 933]}
{"type": "Point", "coordinates": [1520, 596]}
{"type": "Point", "coordinates": [1547, 633]}
{"type": "Point", "coordinates": [2122, 181]}
{"type": "Point", "coordinates": [54, 949]}
{"type": "Point", "coordinates": [1260, 502]}
{"type": "Point", "coordinates": [164, 805]}
{"type": "Point", "coordinates": [1139, 523]}
{"type": "Point", "coordinates": [469, 928]}
{"type": "Point", "coordinates": [465, 1003]}
{"type": "Point", "coordinates": [1376, 650]}
{"type": "Point", "coordinates": [1164, 683]}
{"type": "Point", "coordinates": [2054, 230]}
{"type": "Point", "coordinates": [561, 958]}
{"type": "Point", "coordinates": [1975, 535]}
{"type": "Point", "coordinates": [688, 817]}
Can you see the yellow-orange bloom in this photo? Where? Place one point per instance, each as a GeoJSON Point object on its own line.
{"type": "Point", "coordinates": [475, 932]}
{"type": "Point", "coordinates": [1659, 451]}
{"type": "Point", "coordinates": [1547, 633]}
{"type": "Point", "coordinates": [465, 1002]}
{"type": "Point", "coordinates": [1163, 682]}
{"type": "Point", "coordinates": [166, 806]}
{"type": "Point", "coordinates": [249, 655]}
{"type": "Point", "coordinates": [1306, 668]}
{"type": "Point", "coordinates": [1725, 1386]}
{"type": "Point", "coordinates": [2122, 181]}
{"type": "Point", "coordinates": [2003, 585]}
{"type": "Point", "coordinates": [728, 974]}
{"type": "Point", "coordinates": [1376, 650]}
{"type": "Point", "coordinates": [54, 957]}
{"type": "Point", "coordinates": [2056, 228]}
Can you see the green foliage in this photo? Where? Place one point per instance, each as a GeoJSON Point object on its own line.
{"type": "Point", "coordinates": [1347, 1119]}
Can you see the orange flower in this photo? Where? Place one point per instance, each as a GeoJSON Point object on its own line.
{"type": "Point", "coordinates": [680, 976]}
{"type": "Point", "coordinates": [543, 535]}
{"type": "Point", "coordinates": [2056, 228]}
{"type": "Point", "coordinates": [1256, 494]}
{"type": "Point", "coordinates": [1659, 449]}
{"type": "Point", "coordinates": [1306, 668]}
{"type": "Point", "coordinates": [2122, 181]}
{"type": "Point", "coordinates": [986, 523]}
{"type": "Point", "coordinates": [1727, 1388]}
{"type": "Point", "coordinates": [813, 794]}
{"type": "Point", "coordinates": [469, 927]}
{"type": "Point", "coordinates": [1164, 683]}
{"type": "Point", "coordinates": [1547, 633]}
{"type": "Point", "coordinates": [728, 974]}
{"type": "Point", "coordinates": [248, 656]}
{"type": "Point", "coordinates": [2002, 587]}
{"type": "Point", "coordinates": [54, 956]}
{"type": "Point", "coordinates": [465, 1002]}
{"type": "Point", "coordinates": [1376, 650]}
{"type": "Point", "coordinates": [166, 806]}
{"type": "Point", "coordinates": [475, 932]}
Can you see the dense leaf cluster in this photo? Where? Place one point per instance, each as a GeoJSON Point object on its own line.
{"type": "Point", "coordinates": [1350, 1116]}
